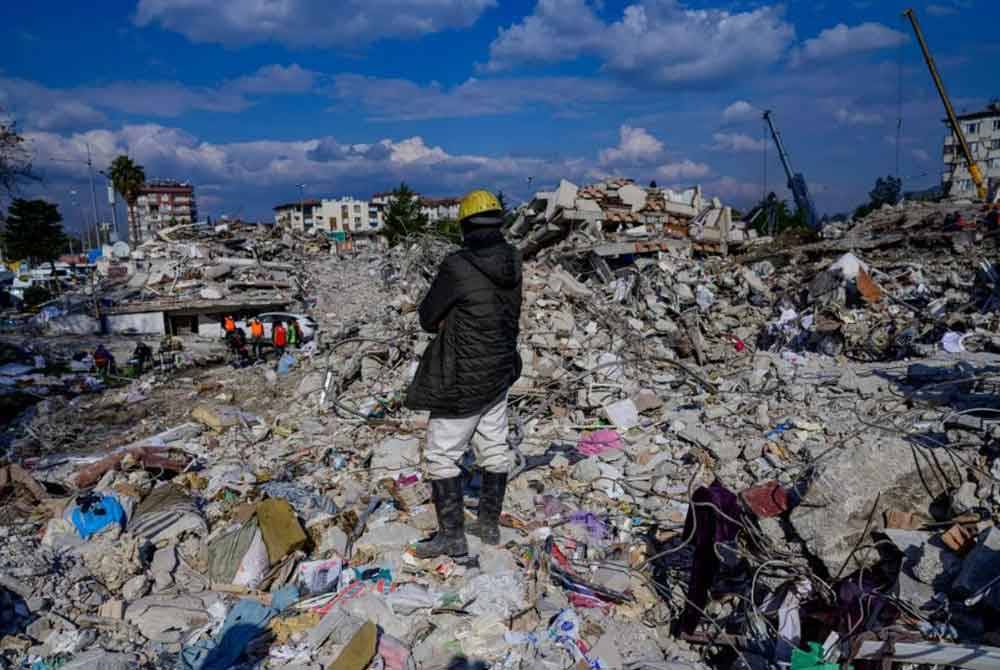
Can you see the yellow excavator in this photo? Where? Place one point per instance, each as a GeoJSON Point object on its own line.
{"type": "Point", "coordinates": [974, 172]}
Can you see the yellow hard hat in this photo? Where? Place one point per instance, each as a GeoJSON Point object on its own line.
{"type": "Point", "coordinates": [478, 202]}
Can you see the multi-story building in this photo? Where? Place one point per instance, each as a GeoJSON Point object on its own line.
{"type": "Point", "coordinates": [161, 203]}
{"type": "Point", "coordinates": [439, 209]}
{"type": "Point", "coordinates": [982, 132]}
{"type": "Point", "coordinates": [330, 215]}
{"type": "Point", "coordinates": [435, 209]}
{"type": "Point", "coordinates": [303, 215]}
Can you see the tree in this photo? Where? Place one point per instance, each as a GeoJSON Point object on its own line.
{"type": "Point", "coordinates": [886, 192]}
{"type": "Point", "coordinates": [784, 219]}
{"type": "Point", "coordinates": [128, 179]}
{"type": "Point", "coordinates": [34, 231]}
{"type": "Point", "coordinates": [404, 216]}
{"type": "Point", "coordinates": [15, 160]}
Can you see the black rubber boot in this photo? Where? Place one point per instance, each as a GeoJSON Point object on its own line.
{"type": "Point", "coordinates": [490, 505]}
{"type": "Point", "coordinates": [449, 504]}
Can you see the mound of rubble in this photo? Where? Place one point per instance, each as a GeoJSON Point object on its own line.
{"type": "Point", "coordinates": [783, 456]}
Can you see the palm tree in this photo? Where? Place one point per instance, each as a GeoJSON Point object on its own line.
{"type": "Point", "coordinates": [128, 179]}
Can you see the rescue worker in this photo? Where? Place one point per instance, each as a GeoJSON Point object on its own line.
{"type": "Point", "coordinates": [141, 356]}
{"type": "Point", "coordinates": [104, 361]}
{"type": "Point", "coordinates": [294, 334]}
{"type": "Point", "coordinates": [473, 306]}
{"type": "Point", "coordinates": [279, 338]}
{"type": "Point", "coordinates": [229, 324]}
{"type": "Point", "coordinates": [238, 344]}
{"type": "Point", "coordinates": [257, 337]}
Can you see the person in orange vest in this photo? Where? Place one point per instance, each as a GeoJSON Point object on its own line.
{"type": "Point", "coordinates": [257, 337]}
{"type": "Point", "coordinates": [229, 324]}
{"type": "Point", "coordinates": [280, 338]}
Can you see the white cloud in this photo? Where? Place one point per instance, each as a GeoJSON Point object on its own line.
{"type": "Point", "coordinates": [857, 118]}
{"type": "Point", "coordinates": [921, 155]}
{"type": "Point", "coordinates": [730, 189]}
{"type": "Point", "coordinates": [261, 172]}
{"type": "Point", "coordinates": [941, 10]}
{"type": "Point", "coordinates": [949, 7]}
{"type": "Point", "coordinates": [635, 145]}
{"type": "Point", "coordinates": [684, 169]}
{"type": "Point", "coordinates": [658, 41]}
{"type": "Point", "coordinates": [842, 40]}
{"type": "Point", "coordinates": [741, 110]}
{"type": "Point", "coordinates": [47, 108]}
{"type": "Point", "coordinates": [737, 142]}
{"type": "Point", "coordinates": [277, 79]}
{"type": "Point", "coordinates": [301, 23]}
{"type": "Point", "coordinates": [402, 99]}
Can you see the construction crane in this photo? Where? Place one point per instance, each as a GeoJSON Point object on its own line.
{"type": "Point", "coordinates": [970, 162]}
{"type": "Point", "coordinates": [796, 182]}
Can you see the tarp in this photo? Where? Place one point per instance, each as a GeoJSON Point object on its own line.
{"type": "Point", "coordinates": [93, 255]}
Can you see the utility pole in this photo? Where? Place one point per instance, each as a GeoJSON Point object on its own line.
{"type": "Point", "coordinates": [112, 203]}
{"type": "Point", "coordinates": [302, 203]}
{"type": "Point", "coordinates": [93, 194]}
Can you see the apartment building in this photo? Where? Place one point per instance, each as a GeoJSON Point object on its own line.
{"type": "Point", "coordinates": [330, 215]}
{"type": "Point", "coordinates": [161, 203]}
{"type": "Point", "coordinates": [982, 132]}
{"type": "Point", "coordinates": [439, 209]}
{"type": "Point", "coordinates": [302, 216]}
{"type": "Point", "coordinates": [435, 209]}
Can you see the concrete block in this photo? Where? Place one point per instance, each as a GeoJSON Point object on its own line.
{"type": "Point", "coordinates": [982, 565]}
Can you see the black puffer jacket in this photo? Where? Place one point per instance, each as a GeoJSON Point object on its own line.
{"type": "Point", "coordinates": [473, 361]}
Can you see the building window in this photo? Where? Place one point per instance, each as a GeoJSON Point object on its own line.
{"type": "Point", "coordinates": [996, 124]}
{"type": "Point", "coordinates": [357, 221]}
{"type": "Point", "coordinates": [357, 208]}
{"type": "Point", "coordinates": [994, 144]}
{"type": "Point", "coordinates": [995, 163]}
{"type": "Point", "coordinates": [972, 128]}
{"type": "Point", "coordinates": [949, 149]}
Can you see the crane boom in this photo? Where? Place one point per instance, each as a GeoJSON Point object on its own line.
{"type": "Point", "coordinates": [796, 182]}
{"type": "Point", "coordinates": [974, 171]}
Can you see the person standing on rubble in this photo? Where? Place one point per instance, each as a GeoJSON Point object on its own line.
{"type": "Point", "coordinates": [257, 337]}
{"type": "Point", "coordinates": [279, 338]}
{"type": "Point", "coordinates": [474, 308]}
{"type": "Point", "coordinates": [228, 324]}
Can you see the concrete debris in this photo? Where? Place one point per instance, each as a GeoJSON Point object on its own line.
{"type": "Point", "coordinates": [715, 436]}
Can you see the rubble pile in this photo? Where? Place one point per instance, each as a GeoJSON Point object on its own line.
{"type": "Point", "coordinates": [780, 457]}
{"type": "Point", "coordinates": [229, 261]}
{"type": "Point", "coordinates": [619, 210]}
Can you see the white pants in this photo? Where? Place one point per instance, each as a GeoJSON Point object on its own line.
{"type": "Point", "coordinates": [448, 440]}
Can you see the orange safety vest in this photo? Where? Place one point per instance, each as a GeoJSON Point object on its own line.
{"type": "Point", "coordinates": [256, 328]}
{"type": "Point", "coordinates": [229, 324]}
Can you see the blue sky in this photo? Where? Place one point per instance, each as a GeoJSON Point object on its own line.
{"type": "Point", "coordinates": [247, 98]}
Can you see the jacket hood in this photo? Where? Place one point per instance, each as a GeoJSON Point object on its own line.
{"type": "Point", "coordinates": [501, 263]}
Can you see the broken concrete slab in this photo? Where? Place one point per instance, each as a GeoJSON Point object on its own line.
{"type": "Point", "coordinates": [841, 498]}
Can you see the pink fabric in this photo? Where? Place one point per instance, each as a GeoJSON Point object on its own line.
{"type": "Point", "coordinates": [599, 442]}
